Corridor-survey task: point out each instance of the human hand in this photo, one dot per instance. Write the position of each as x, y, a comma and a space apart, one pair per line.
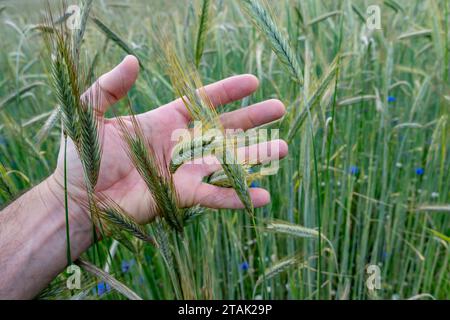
119, 180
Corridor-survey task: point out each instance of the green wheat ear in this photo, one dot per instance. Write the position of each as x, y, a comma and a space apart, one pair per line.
78, 116
89, 142
6, 185
252, 172
190, 214
121, 219
66, 85
280, 45
113, 221
79, 119
278, 268
202, 30
191, 149
106, 277
185, 80
153, 171
205, 144
295, 230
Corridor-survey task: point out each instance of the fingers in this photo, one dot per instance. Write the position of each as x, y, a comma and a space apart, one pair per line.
263, 152
112, 86
226, 198
254, 115
232, 89
258, 153
224, 91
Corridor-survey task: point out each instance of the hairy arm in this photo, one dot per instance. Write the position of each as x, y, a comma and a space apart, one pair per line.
33, 239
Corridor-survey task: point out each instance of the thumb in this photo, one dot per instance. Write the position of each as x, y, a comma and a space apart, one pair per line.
112, 86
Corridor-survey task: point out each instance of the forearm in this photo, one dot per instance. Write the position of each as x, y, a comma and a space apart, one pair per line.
33, 240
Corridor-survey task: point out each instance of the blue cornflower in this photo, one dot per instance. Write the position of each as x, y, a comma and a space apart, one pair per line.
103, 288
420, 171
244, 266
391, 99
126, 265
254, 184
354, 170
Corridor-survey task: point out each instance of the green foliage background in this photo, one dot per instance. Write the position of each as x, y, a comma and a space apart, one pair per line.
387, 120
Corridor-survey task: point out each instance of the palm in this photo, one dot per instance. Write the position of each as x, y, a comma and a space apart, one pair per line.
124, 183
119, 180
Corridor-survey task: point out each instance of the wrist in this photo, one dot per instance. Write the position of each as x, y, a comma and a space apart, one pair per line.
76, 198
52, 194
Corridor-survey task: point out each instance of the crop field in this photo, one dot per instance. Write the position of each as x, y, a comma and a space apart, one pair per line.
360, 206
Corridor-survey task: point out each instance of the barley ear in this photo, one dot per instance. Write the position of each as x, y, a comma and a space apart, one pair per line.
278, 268
153, 171
89, 143
190, 214
202, 30
79, 33
201, 109
280, 45
106, 277
115, 215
